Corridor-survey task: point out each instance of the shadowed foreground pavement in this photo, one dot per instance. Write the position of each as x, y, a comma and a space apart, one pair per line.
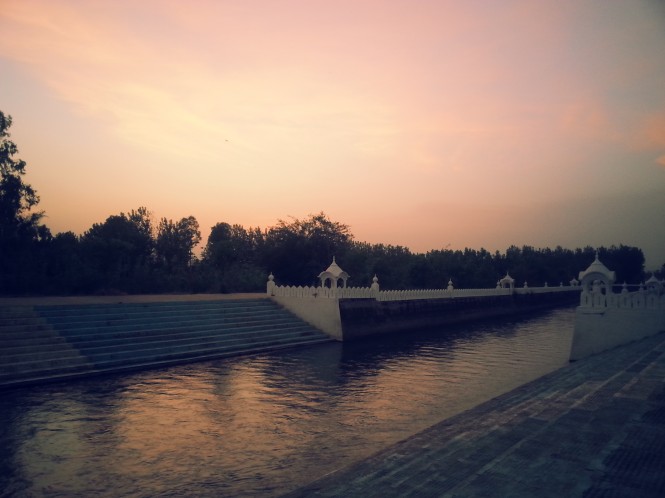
595, 428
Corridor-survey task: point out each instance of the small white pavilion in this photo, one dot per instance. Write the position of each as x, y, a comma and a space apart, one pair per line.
332, 275
597, 277
653, 285
507, 282
597, 281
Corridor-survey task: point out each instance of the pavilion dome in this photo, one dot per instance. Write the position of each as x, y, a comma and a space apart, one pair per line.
334, 271
653, 284
333, 274
652, 280
507, 279
598, 270
507, 282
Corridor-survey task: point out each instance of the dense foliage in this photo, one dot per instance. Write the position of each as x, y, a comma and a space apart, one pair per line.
127, 253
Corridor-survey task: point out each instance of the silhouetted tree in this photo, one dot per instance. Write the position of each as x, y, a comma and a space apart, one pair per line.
20, 230
228, 245
301, 249
660, 274
232, 254
175, 242
626, 261
118, 253
142, 220
126, 253
16, 197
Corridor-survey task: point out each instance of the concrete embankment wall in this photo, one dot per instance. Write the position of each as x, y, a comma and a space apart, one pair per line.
601, 329
367, 317
322, 313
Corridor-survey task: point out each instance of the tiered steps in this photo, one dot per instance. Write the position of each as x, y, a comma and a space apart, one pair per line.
30, 347
46, 343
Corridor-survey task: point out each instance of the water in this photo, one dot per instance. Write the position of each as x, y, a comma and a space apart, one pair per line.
261, 425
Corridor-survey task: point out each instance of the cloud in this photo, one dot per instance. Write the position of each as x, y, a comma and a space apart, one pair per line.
650, 133
159, 98
474, 104
588, 118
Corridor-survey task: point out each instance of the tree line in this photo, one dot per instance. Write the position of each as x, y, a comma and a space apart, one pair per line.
132, 253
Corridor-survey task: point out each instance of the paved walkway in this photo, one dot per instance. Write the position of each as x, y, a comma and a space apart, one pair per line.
595, 428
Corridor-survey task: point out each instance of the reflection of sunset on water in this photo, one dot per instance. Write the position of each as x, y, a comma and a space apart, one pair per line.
267, 423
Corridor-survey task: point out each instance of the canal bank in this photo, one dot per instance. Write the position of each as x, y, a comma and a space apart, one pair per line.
52, 339
61, 338
361, 318
351, 313
593, 428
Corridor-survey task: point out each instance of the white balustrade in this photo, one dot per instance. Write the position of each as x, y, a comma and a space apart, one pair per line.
403, 295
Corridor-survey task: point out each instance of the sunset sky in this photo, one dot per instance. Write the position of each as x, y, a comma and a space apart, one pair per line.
423, 123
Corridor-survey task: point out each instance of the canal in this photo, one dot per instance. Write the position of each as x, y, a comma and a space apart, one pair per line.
266, 424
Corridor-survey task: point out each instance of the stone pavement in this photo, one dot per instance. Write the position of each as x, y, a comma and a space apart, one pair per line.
595, 428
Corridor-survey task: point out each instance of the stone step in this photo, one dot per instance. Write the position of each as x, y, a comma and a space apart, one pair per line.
73, 372
131, 339
179, 334
95, 350
104, 357
135, 354
50, 340
246, 347
57, 342
10, 335
33, 364
155, 314
38, 350
141, 308
27, 373
18, 323
192, 323
23, 329
43, 331
12, 313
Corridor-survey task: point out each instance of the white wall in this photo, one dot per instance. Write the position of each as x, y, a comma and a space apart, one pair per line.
322, 313
600, 329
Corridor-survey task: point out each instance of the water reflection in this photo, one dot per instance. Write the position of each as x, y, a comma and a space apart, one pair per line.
261, 425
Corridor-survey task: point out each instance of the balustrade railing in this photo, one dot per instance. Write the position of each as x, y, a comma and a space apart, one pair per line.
640, 299
403, 295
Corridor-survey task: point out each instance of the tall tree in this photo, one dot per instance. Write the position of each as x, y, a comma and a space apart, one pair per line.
227, 245
19, 225
626, 261
117, 251
231, 257
175, 242
16, 197
142, 219
299, 250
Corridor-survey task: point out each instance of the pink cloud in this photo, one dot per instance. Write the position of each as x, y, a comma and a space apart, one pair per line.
651, 133
588, 118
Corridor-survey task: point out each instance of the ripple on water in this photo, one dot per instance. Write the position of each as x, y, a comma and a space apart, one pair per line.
265, 424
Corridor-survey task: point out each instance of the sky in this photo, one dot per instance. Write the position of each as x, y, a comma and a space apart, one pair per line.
422, 123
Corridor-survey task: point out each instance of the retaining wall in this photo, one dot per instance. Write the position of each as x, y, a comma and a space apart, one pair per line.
347, 319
